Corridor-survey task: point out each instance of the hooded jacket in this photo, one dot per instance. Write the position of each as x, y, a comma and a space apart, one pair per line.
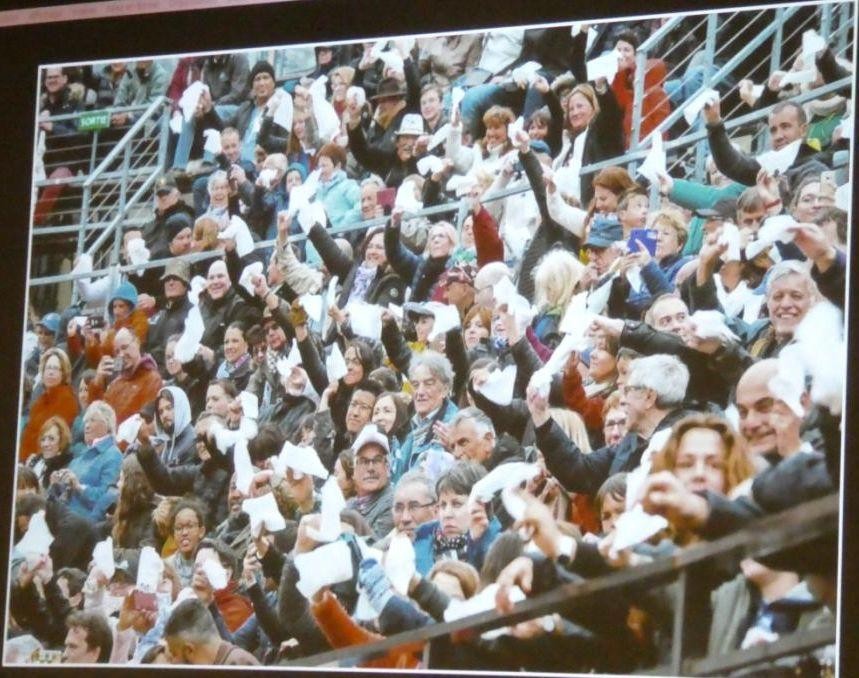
342, 199
179, 446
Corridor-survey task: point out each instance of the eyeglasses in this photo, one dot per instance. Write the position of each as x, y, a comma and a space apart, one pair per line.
412, 506
360, 406
366, 462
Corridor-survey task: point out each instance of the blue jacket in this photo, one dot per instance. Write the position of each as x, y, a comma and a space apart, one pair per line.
476, 551
98, 469
407, 455
342, 199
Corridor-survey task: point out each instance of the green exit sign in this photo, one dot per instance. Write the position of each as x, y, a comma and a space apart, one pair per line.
94, 120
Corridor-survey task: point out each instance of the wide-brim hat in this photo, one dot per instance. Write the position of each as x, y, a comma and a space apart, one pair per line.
389, 88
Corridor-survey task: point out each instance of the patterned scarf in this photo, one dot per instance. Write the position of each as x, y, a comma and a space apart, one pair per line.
226, 370
364, 277
448, 548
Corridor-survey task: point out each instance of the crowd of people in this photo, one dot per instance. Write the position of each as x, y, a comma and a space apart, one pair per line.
331, 431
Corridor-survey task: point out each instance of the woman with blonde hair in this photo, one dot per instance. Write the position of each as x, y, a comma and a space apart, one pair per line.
555, 280
54, 453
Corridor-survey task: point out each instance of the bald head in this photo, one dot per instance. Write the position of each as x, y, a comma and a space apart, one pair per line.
765, 420
126, 349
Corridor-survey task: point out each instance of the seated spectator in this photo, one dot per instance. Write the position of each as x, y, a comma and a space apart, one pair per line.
89, 640
192, 638
373, 489
54, 450
57, 399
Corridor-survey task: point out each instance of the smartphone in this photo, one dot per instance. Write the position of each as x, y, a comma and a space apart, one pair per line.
117, 366
96, 322
647, 236
386, 197
143, 601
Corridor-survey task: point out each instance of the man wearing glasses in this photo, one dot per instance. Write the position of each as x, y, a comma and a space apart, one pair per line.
374, 495
652, 399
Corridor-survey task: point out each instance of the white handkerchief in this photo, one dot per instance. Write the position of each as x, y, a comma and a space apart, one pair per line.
456, 95
503, 289
541, 381
757, 91
708, 96
303, 460
37, 539
189, 342
330, 300
244, 467
481, 602
598, 298
732, 414
356, 94
393, 61
430, 164
332, 504
514, 127
436, 462
406, 198
284, 112
299, 198
250, 404
213, 141
526, 71
190, 97
633, 274
731, 237
400, 563
396, 311
312, 303
84, 264
576, 321
323, 566
238, 230
224, 437
186, 593
247, 276
137, 251
636, 478
798, 77
311, 214
654, 162
446, 318
604, 66
511, 475
461, 184
711, 325
513, 504
499, 385
438, 138
327, 120
198, 284
844, 196
779, 161
284, 365
788, 383
846, 126
176, 122
263, 512
811, 44
335, 364
634, 527
823, 325
777, 228
378, 47
267, 177
149, 570
127, 431
365, 319
215, 573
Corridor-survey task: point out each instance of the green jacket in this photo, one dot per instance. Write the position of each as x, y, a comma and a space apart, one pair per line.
694, 196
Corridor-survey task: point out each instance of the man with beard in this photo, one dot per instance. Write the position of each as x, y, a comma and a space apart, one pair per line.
374, 495
173, 427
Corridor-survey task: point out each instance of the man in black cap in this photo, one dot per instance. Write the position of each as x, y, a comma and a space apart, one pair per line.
172, 309
179, 234
168, 201
252, 118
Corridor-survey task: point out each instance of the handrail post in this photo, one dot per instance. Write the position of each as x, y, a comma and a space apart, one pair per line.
825, 21
123, 201
709, 56
843, 27
775, 57
164, 138
94, 151
638, 97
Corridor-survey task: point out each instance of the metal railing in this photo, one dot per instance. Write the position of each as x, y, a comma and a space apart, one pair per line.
772, 534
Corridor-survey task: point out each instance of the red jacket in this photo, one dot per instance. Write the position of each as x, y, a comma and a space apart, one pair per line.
655, 106
576, 399
487, 241
60, 401
235, 609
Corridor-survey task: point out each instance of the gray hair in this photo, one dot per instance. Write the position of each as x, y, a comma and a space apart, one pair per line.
373, 180
99, 409
791, 267
478, 417
436, 363
664, 374
217, 175
418, 477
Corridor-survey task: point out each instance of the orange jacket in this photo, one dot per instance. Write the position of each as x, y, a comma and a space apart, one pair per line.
137, 322
343, 631
60, 401
235, 609
128, 394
